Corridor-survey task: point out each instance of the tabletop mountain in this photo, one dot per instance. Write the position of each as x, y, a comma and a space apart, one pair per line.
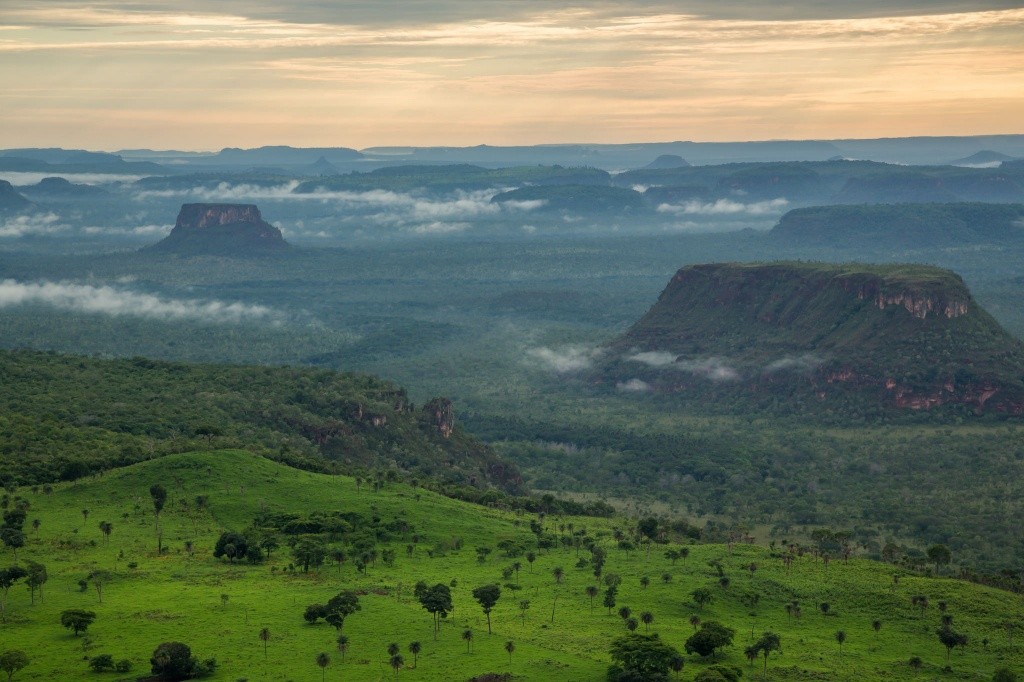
894, 336
221, 229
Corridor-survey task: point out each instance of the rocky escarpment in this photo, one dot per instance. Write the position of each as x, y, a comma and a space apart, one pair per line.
221, 229
895, 336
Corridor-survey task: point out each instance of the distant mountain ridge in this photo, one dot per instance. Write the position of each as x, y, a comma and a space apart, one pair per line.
892, 336
909, 226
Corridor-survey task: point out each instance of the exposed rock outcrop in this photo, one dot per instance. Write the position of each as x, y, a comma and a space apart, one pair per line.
222, 229
440, 415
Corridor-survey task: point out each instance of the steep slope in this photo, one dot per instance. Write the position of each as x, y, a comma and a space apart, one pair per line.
221, 229
63, 417
899, 336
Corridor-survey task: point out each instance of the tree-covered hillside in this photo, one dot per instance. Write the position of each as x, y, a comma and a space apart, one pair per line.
62, 417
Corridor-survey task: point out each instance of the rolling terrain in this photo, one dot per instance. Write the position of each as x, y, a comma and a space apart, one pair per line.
218, 607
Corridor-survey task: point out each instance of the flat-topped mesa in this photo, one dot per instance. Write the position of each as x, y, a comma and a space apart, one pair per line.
898, 335
198, 216
221, 229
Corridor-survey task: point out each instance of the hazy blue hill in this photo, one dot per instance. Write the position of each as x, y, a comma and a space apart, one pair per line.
577, 198
10, 199
60, 189
902, 225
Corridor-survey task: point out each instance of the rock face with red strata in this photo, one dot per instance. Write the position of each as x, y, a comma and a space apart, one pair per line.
222, 229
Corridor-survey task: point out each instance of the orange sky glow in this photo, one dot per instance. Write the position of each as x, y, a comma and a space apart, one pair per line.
107, 76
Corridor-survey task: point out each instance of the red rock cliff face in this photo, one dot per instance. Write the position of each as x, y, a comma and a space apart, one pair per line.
198, 216
221, 229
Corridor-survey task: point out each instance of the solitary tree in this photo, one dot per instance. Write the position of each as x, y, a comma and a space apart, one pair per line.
415, 648
467, 637
342, 646
12, 661
591, 592
510, 648
340, 607
265, 637
106, 528
524, 606
8, 576
487, 596
77, 620
609, 598
840, 638
709, 638
702, 596
876, 625
768, 643
647, 618
323, 660
951, 638
695, 621
159, 495
396, 662
437, 600
558, 572
35, 579
641, 657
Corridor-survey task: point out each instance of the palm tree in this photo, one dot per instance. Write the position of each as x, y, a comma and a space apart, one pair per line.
695, 621
323, 660
393, 649
644, 582
591, 593
676, 663
558, 573
265, 637
396, 663
510, 647
625, 612
415, 648
342, 646
632, 624
647, 617
876, 625
467, 636
840, 637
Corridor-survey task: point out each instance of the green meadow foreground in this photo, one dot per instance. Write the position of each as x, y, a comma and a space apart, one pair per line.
219, 608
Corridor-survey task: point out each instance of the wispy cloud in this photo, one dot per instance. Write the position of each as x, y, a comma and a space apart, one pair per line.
565, 358
32, 224
726, 207
633, 386
108, 300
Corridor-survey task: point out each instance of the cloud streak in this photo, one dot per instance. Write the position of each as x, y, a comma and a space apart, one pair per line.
565, 359
726, 207
116, 302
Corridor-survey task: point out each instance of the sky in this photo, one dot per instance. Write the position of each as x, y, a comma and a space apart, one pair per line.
200, 75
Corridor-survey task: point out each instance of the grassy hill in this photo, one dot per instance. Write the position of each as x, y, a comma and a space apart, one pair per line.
902, 336
218, 608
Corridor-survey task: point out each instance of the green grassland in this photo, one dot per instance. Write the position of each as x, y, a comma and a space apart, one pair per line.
153, 597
